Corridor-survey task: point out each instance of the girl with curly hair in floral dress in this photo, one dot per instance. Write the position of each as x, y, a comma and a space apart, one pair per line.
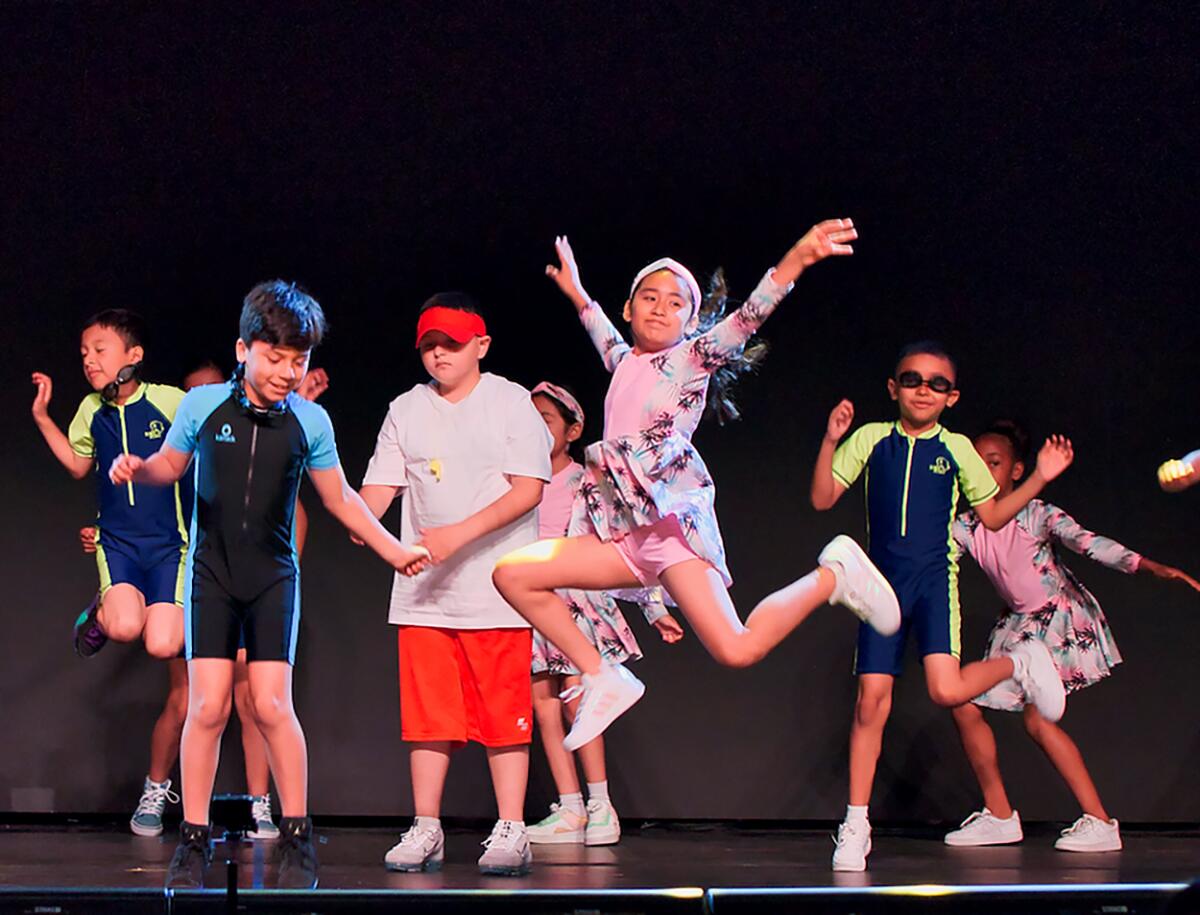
1046, 602
648, 499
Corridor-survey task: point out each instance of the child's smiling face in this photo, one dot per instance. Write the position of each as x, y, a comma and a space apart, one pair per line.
661, 311
921, 406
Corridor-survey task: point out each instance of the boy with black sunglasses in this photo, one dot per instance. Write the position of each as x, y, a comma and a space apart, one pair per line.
915, 471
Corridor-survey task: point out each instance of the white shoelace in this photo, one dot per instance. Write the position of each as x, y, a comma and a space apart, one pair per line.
1084, 825
154, 799
505, 836
845, 831
417, 836
977, 815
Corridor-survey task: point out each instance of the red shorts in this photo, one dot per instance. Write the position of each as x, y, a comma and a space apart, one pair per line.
648, 551
466, 684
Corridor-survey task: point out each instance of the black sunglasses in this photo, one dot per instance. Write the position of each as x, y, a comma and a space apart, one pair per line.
937, 383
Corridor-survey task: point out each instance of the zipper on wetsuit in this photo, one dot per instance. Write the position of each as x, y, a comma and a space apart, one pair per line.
125, 444
907, 479
249, 475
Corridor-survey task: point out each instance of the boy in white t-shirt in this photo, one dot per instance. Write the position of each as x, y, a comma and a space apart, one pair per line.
471, 454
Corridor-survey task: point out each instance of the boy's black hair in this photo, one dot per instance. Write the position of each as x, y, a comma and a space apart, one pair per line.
459, 301
928, 348
128, 325
279, 313
1013, 432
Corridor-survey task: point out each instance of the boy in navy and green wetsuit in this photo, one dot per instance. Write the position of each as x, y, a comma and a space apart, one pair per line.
141, 536
915, 472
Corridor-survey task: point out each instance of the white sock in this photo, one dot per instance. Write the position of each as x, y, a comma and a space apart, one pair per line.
573, 803
856, 814
598, 791
164, 783
428, 823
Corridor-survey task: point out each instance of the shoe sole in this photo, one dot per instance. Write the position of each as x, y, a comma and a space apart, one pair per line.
425, 867
147, 831
969, 844
565, 839
263, 836
1094, 848
572, 743
520, 871
868, 568
605, 838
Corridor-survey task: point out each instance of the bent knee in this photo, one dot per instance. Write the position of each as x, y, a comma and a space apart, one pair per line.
163, 647
508, 577
122, 628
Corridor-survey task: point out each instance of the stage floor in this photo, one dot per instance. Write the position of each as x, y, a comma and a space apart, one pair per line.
691, 861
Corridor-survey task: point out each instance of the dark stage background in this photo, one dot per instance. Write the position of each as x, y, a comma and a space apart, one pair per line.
1024, 179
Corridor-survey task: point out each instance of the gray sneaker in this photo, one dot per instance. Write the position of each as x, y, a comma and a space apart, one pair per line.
508, 853
422, 848
147, 819
260, 811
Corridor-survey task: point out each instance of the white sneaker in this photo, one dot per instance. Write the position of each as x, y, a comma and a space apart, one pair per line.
562, 827
603, 827
853, 845
1090, 833
860, 587
147, 819
1040, 680
606, 696
422, 848
260, 811
985, 828
507, 851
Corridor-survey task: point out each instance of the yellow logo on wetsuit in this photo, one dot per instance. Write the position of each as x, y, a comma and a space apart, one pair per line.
156, 429
941, 466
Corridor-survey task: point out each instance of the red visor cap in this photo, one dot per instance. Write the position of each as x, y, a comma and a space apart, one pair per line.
460, 326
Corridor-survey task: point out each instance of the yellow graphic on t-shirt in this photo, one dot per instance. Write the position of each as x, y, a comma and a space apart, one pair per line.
941, 466
435, 468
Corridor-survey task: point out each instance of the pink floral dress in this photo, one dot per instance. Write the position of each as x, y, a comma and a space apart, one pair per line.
1045, 600
646, 468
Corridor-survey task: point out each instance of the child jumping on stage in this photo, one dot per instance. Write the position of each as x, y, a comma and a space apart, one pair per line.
1048, 604
600, 619
915, 471
141, 540
251, 440
649, 498
470, 455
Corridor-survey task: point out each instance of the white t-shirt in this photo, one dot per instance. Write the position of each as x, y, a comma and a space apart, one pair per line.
451, 460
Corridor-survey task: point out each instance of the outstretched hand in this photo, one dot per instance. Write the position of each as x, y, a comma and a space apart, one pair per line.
566, 274
1055, 456
670, 630
41, 399
830, 238
840, 420
1158, 570
314, 384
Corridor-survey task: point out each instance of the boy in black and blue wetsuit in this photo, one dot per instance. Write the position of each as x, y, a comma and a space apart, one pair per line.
915, 473
141, 538
251, 440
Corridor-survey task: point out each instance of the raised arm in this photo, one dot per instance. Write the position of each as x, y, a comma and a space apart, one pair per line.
826, 488
77, 465
605, 337
1055, 456
1178, 474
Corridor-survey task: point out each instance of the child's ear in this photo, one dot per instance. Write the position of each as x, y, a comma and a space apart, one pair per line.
892, 388
1018, 470
627, 312
136, 354
952, 399
574, 431
485, 344
241, 350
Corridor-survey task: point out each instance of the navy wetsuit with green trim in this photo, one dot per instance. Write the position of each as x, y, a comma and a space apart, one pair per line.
141, 535
912, 490
243, 575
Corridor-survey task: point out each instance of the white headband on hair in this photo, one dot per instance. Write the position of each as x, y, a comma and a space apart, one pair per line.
669, 263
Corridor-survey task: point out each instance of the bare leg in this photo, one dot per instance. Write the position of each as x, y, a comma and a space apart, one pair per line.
950, 685
429, 762
866, 734
1065, 755
168, 730
287, 751
163, 632
210, 695
510, 776
254, 745
122, 613
591, 754
528, 578
548, 709
980, 745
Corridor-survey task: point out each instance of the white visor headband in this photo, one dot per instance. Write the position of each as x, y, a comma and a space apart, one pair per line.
669, 263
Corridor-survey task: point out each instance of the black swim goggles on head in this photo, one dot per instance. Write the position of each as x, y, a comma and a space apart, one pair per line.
938, 383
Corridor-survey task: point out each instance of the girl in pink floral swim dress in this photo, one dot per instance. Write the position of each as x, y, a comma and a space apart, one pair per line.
600, 619
648, 499
1045, 601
